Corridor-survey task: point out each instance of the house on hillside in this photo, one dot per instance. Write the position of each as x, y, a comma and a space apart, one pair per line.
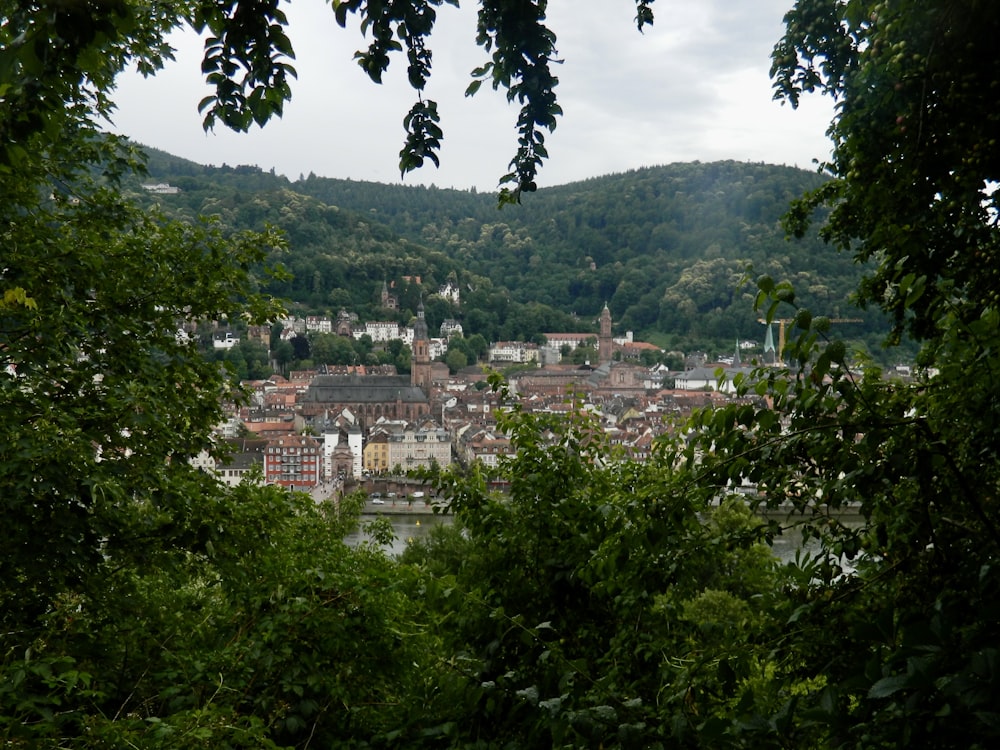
518, 352
450, 327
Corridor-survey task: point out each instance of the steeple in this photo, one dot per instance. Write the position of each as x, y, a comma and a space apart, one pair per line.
769, 346
420, 325
605, 344
420, 364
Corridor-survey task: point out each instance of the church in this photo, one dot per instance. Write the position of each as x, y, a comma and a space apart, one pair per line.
371, 397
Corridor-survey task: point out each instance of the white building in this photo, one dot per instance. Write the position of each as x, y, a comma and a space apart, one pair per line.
319, 324
437, 348
331, 440
514, 351
226, 341
708, 379
554, 342
450, 292
161, 188
379, 331
451, 327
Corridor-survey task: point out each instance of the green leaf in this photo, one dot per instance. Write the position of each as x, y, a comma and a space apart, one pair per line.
889, 686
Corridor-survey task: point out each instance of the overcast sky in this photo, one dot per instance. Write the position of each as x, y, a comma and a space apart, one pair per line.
694, 87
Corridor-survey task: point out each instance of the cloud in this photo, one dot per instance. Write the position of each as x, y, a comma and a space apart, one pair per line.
693, 87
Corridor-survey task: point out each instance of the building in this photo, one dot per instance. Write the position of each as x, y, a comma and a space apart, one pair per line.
634, 349
318, 324
376, 452
519, 352
418, 447
387, 300
450, 327
708, 378
380, 331
260, 335
344, 324
244, 459
342, 453
226, 340
451, 292
485, 446
554, 343
293, 461
605, 344
420, 363
161, 188
368, 397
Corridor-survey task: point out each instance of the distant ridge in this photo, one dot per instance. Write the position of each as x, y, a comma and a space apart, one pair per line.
665, 247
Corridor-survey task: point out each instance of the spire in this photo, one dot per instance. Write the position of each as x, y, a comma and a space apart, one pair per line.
605, 345
420, 325
769, 344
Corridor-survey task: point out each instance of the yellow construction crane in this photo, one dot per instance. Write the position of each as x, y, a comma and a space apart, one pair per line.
779, 359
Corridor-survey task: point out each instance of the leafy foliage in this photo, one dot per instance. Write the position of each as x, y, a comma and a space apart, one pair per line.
593, 605
915, 153
600, 602
245, 61
100, 390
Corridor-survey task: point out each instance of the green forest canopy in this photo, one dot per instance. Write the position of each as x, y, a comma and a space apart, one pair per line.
669, 249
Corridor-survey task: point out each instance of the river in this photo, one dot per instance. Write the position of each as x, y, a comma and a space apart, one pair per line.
410, 527
407, 529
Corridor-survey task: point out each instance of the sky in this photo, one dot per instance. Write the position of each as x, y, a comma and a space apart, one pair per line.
693, 87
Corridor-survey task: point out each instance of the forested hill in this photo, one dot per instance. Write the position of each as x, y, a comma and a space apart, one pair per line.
665, 247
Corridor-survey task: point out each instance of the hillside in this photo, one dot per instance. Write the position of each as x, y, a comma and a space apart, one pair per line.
665, 247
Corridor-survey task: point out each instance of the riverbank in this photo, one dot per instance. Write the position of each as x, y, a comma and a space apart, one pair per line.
398, 509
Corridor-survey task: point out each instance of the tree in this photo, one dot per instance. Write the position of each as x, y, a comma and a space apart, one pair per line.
300, 346
911, 77
914, 168
478, 346
99, 388
143, 605
330, 349
258, 366
103, 399
456, 360
597, 603
283, 353
237, 361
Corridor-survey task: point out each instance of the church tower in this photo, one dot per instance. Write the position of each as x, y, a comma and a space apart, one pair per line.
605, 345
420, 364
386, 299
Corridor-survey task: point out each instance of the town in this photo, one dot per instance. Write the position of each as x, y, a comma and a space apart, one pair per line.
334, 428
